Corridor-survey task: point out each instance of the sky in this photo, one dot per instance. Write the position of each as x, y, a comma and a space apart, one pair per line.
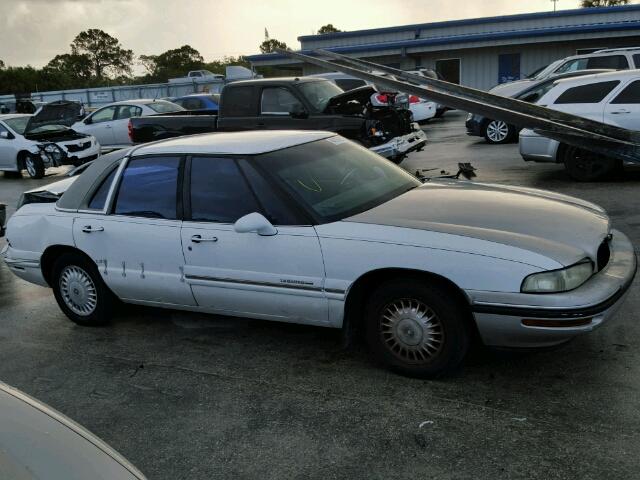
34, 31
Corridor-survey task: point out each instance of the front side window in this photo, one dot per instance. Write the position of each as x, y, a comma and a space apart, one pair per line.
335, 178
592, 93
149, 188
219, 192
104, 115
630, 95
573, 66
278, 101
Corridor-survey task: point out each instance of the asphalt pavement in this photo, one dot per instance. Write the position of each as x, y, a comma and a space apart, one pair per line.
187, 396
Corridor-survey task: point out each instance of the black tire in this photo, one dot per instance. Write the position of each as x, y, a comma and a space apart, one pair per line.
104, 300
585, 166
450, 325
497, 132
34, 166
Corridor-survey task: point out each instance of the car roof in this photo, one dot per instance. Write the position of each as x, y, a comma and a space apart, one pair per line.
233, 143
600, 53
586, 79
138, 101
257, 81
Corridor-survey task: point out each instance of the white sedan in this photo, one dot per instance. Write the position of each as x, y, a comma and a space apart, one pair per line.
110, 124
308, 227
34, 146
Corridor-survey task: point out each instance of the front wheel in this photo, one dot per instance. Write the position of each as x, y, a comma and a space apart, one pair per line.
34, 166
80, 291
585, 166
417, 329
497, 132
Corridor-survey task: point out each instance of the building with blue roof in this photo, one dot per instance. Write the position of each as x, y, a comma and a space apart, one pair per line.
479, 52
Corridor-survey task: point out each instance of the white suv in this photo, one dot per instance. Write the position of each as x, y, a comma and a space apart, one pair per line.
612, 98
613, 59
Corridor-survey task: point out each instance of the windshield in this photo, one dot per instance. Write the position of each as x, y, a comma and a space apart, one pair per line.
18, 124
164, 107
336, 178
319, 93
536, 72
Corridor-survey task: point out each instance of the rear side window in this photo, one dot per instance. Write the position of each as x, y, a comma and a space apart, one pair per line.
100, 197
219, 192
631, 94
592, 93
192, 103
636, 60
164, 107
347, 84
128, 111
149, 188
238, 102
615, 62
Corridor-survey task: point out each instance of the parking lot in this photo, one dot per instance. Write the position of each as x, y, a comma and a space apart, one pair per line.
188, 396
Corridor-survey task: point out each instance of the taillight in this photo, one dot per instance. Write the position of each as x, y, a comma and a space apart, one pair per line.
382, 98
414, 99
130, 129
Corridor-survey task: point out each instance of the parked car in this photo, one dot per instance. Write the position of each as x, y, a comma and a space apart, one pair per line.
608, 59
384, 125
499, 132
37, 441
612, 98
309, 227
37, 142
421, 110
199, 102
198, 75
110, 123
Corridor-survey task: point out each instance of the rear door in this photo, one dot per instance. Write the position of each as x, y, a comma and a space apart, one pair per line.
121, 123
624, 109
278, 277
136, 244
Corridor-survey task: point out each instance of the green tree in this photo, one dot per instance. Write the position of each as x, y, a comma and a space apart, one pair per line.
77, 68
328, 28
602, 3
107, 56
1, 64
172, 63
219, 66
270, 44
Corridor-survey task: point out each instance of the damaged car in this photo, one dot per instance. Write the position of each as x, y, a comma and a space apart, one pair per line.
37, 142
381, 122
308, 227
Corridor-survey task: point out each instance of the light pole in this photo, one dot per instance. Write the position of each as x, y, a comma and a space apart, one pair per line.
555, 3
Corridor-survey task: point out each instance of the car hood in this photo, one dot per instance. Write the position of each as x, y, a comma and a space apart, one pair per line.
511, 89
562, 228
56, 113
360, 94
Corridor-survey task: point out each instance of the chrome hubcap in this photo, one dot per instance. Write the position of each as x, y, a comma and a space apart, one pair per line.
78, 290
31, 168
497, 131
411, 330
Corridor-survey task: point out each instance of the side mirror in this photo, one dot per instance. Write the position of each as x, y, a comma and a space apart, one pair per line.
87, 121
298, 111
6, 135
255, 222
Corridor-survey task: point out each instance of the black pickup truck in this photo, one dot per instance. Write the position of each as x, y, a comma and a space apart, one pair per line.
380, 121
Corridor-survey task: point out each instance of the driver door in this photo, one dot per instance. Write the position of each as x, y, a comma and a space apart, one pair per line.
277, 277
8, 151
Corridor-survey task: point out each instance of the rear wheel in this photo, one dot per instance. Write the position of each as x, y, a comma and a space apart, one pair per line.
498, 132
34, 166
80, 291
585, 166
416, 329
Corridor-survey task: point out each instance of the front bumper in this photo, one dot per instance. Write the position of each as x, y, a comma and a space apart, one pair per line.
519, 320
474, 125
536, 148
402, 146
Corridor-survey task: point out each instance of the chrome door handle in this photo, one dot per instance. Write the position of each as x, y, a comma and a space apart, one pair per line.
620, 112
108, 126
90, 229
200, 239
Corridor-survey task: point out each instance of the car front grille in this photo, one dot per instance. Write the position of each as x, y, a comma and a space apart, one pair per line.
604, 253
78, 148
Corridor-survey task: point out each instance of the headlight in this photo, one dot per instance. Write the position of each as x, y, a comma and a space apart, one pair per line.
53, 152
558, 280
